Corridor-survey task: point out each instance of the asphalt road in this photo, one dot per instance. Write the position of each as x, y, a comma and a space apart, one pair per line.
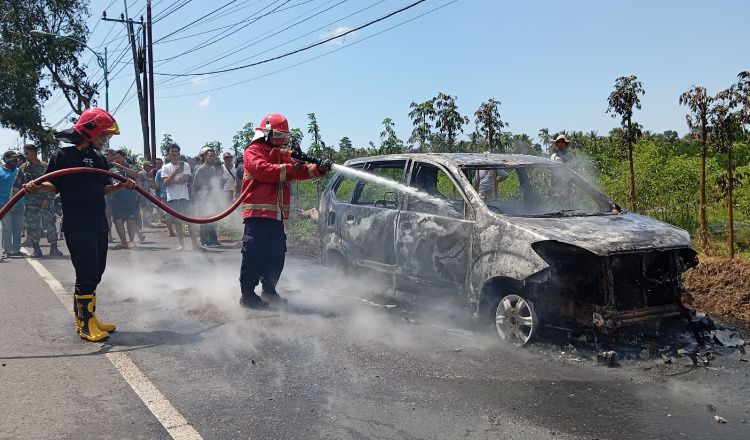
187, 362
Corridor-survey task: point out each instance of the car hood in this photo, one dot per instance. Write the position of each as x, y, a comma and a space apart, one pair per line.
607, 234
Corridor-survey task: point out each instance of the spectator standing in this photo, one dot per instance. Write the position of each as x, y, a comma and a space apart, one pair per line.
125, 203
207, 183
13, 221
109, 155
228, 177
146, 181
163, 197
176, 174
562, 154
158, 163
38, 212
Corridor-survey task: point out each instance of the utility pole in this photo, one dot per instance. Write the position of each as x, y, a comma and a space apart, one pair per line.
142, 68
139, 90
151, 79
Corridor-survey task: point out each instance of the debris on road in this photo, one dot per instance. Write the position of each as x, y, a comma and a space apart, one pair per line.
720, 419
726, 337
608, 358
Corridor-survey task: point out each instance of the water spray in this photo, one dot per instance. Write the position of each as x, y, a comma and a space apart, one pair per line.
4, 210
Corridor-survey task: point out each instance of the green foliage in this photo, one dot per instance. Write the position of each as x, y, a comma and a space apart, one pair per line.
421, 115
390, 143
32, 67
448, 120
214, 145
489, 123
165, 142
242, 139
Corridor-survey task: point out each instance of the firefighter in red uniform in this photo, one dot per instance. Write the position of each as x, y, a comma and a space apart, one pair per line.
268, 173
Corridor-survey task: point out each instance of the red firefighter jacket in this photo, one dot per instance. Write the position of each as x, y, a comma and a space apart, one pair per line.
268, 172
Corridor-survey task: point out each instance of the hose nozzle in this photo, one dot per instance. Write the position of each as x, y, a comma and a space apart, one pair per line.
299, 155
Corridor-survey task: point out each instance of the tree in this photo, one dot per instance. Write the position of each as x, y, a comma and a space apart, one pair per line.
621, 102
699, 103
214, 145
725, 125
488, 121
448, 120
165, 142
31, 68
420, 116
316, 147
242, 139
295, 143
389, 142
545, 138
346, 150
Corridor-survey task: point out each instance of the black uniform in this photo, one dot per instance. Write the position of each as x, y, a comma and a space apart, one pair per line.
84, 219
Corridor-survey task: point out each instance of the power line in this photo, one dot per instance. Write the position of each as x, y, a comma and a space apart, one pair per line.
222, 56
313, 58
217, 39
195, 21
258, 39
301, 49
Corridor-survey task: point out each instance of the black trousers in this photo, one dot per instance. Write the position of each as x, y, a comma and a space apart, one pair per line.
263, 253
88, 253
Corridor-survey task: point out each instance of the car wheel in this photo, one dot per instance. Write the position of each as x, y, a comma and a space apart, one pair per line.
515, 319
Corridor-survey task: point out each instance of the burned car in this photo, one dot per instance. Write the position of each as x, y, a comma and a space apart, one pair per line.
538, 246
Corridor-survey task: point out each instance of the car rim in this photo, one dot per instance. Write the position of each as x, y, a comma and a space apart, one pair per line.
515, 319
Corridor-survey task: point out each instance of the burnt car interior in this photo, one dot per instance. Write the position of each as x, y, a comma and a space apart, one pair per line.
541, 191
436, 183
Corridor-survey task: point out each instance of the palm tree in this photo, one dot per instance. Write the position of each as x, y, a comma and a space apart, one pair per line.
449, 121
488, 121
699, 102
420, 115
621, 102
725, 124
545, 138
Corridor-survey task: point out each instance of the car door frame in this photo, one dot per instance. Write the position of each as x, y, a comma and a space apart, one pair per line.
368, 231
416, 272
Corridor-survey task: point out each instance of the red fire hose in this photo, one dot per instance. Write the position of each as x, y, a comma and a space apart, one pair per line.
4, 210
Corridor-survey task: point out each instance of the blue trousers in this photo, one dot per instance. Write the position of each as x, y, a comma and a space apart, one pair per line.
12, 229
263, 253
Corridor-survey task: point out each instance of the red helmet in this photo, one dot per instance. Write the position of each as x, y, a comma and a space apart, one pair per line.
276, 128
94, 121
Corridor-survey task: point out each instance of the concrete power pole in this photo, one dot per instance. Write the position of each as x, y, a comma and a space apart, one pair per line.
139, 90
151, 80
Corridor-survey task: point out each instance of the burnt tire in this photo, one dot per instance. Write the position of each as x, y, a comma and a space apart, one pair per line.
515, 320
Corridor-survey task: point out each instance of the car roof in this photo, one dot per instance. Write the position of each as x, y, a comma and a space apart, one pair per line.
459, 159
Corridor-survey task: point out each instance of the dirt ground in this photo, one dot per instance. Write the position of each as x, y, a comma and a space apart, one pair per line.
721, 288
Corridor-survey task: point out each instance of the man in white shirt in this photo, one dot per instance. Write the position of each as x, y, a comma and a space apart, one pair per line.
176, 175
228, 176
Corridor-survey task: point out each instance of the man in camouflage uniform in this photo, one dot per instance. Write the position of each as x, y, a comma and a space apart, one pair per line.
38, 213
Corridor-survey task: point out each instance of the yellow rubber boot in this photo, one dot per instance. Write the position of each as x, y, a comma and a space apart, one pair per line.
85, 311
107, 327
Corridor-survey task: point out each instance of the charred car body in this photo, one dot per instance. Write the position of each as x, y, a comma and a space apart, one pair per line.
540, 246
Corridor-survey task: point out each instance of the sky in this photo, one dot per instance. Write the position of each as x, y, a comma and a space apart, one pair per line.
552, 64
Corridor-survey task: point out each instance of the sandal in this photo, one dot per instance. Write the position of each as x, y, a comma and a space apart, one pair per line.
120, 247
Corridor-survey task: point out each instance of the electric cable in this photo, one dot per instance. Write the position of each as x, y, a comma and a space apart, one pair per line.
194, 21
166, 84
308, 47
313, 58
263, 37
217, 38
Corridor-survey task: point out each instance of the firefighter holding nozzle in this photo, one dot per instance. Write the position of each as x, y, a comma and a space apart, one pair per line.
84, 219
268, 173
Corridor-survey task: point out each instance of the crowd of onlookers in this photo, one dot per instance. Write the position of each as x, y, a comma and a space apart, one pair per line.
202, 186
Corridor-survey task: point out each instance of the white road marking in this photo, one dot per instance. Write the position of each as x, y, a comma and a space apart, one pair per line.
160, 407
